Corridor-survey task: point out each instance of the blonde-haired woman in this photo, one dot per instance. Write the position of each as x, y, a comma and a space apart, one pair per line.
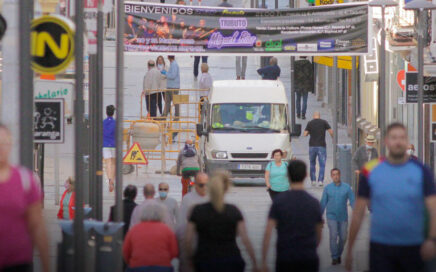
217, 224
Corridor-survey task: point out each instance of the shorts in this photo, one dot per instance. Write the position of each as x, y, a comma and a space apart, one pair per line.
108, 152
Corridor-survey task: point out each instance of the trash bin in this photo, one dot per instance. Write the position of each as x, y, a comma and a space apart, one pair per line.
344, 163
65, 259
109, 244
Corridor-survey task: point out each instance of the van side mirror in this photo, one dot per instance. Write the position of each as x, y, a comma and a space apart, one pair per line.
200, 130
296, 131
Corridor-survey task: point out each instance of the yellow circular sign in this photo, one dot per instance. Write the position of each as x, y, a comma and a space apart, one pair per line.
52, 44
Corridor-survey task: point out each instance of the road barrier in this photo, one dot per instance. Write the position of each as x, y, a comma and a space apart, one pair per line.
158, 135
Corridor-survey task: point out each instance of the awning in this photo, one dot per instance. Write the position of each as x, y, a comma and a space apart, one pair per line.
344, 62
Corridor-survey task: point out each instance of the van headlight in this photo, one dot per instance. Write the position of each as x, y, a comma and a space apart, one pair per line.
219, 154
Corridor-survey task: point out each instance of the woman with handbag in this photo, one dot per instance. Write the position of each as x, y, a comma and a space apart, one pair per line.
276, 175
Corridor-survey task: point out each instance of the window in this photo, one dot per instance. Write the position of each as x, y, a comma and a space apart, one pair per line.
249, 117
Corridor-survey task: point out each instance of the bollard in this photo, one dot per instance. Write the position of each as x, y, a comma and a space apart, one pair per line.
109, 245
65, 259
344, 163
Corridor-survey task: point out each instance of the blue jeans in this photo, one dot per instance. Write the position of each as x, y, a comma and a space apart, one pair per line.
338, 237
300, 95
321, 153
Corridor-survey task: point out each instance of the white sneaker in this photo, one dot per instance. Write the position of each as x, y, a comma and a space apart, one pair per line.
320, 184
313, 183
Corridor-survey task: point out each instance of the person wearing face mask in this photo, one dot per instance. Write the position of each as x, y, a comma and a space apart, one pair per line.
169, 202
66, 210
365, 153
188, 165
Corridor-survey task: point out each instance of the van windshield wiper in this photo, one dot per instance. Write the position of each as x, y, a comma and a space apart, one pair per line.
227, 128
262, 128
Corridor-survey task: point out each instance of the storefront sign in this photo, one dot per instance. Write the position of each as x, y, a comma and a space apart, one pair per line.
52, 44
50, 89
49, 121
412, 88
324, 30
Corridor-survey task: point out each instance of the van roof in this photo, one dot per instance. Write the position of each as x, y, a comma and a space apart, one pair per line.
248, 91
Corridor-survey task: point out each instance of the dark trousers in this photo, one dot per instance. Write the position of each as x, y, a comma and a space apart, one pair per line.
229, 264
387, 258
298, 97
273, 194
197, 62
18, 268
297, 266
153, 101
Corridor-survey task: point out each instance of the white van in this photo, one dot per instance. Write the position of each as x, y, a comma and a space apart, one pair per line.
242, 122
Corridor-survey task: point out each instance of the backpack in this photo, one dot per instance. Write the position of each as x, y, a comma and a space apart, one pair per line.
189, 151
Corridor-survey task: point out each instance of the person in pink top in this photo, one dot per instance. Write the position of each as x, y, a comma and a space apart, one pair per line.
151, 243
21, 221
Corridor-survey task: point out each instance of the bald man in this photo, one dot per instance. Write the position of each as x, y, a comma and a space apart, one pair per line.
317, 128
169, 202
188, 165
149, 192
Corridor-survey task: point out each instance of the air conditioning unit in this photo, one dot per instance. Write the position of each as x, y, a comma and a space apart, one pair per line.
370, 63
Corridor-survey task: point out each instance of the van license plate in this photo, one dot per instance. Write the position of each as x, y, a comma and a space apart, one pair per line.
250, 167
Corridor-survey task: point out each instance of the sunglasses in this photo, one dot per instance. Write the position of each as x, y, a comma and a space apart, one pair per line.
201, 185
163, 189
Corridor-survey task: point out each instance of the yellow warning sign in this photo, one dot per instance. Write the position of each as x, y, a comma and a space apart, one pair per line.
135, 155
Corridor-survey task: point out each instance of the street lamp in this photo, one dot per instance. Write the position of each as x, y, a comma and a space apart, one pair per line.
420, 6
382, 71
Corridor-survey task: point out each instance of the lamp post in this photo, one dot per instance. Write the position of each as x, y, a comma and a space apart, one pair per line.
420, 6
382, 71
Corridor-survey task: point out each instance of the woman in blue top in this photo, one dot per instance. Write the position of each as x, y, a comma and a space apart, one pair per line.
276, 175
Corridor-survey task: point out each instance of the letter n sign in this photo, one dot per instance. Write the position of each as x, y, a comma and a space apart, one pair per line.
52, 44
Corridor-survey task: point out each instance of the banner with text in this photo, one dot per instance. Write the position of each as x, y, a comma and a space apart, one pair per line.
325, 30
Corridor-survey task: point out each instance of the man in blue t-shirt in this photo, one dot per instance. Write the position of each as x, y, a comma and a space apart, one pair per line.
297, 217
399, 189
109, 145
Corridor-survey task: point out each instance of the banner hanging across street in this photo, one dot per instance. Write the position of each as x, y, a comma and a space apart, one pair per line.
324, 30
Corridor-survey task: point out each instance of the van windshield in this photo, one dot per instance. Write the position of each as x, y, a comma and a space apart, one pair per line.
244, 117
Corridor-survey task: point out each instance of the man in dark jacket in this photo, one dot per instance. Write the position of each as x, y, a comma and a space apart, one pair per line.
128, 206
365, 153
271, 72
303, 84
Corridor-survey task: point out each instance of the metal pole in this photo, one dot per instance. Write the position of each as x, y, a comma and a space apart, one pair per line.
353, 105
93, 132
420, 33
353, 116
119, 122
120, 110
335, 112
26, 85
99, 115
79, 241
292, 79
382, 86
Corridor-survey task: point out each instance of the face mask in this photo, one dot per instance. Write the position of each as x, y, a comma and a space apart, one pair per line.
409, 152
160, 66
67, 185
368, 147
163, 194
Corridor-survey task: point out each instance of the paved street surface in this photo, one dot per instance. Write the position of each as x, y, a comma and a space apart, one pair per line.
249, 195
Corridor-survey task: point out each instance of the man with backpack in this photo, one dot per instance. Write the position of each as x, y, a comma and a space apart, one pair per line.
188, 164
